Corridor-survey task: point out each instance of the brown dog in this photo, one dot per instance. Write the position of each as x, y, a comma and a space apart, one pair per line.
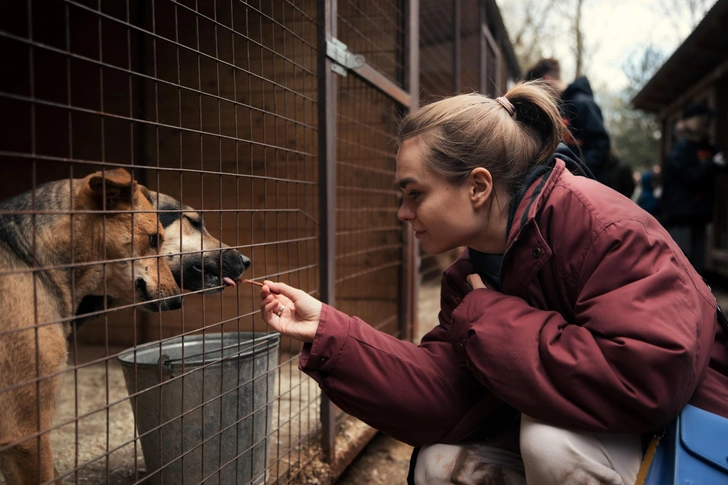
199, 262
45, 271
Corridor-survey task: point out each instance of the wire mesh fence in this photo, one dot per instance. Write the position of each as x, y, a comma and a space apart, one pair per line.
154, 154
162, 147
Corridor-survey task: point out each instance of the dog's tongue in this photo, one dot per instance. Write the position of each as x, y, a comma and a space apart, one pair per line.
229, 281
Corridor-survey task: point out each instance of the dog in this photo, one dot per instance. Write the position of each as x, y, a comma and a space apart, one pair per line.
198, 261
50, 260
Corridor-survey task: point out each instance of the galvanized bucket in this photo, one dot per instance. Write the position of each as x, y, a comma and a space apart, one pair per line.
203, 406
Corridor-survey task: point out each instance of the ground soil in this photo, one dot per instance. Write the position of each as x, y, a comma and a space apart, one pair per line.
385, 460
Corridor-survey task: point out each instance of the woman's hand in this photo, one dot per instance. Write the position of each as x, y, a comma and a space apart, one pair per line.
290, 311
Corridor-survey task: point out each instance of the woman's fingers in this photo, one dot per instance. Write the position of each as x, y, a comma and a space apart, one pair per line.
475, 281
290, 311
281, 289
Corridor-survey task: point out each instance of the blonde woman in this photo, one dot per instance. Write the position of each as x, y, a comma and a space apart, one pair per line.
572, 325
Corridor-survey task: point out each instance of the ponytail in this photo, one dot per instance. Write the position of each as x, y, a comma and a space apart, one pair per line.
537, 111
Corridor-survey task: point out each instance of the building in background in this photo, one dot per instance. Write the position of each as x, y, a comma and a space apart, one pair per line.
697, 71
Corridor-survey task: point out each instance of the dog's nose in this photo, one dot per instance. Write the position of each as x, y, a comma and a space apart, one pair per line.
245, 261
173, 303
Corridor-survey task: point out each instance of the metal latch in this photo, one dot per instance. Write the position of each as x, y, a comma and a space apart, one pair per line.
338, 52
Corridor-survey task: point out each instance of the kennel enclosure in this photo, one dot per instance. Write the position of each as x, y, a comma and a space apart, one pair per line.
274, 122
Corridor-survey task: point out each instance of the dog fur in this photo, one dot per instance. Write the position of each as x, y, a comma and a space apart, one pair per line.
198, 261
46, 269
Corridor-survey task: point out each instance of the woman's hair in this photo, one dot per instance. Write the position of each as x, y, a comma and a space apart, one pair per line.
464, 132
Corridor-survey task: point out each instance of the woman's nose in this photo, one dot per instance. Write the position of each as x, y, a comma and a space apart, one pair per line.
405, 214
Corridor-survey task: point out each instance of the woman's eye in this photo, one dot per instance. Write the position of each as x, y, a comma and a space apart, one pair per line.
414, 194
154, 241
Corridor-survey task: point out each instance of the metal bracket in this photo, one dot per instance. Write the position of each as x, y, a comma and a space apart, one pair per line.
343, 59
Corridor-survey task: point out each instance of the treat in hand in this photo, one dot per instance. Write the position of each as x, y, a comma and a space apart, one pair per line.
256, 283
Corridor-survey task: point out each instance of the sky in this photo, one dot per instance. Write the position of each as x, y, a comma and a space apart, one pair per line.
614, 30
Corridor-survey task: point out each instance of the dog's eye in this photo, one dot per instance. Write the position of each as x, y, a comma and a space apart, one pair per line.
154, 240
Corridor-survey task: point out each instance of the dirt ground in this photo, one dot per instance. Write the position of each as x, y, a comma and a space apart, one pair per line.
385, 460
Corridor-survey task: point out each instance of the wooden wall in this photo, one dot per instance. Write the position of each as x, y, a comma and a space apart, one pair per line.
242, 145
218, 109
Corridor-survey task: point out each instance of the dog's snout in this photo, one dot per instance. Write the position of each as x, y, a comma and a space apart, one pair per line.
245, 262
234, 263
210, 267
141, 285
173, 303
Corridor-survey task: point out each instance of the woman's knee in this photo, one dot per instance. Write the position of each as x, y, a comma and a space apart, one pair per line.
556, 455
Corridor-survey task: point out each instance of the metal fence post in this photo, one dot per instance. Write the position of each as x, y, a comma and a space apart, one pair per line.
326, 13
411, 267
457, 45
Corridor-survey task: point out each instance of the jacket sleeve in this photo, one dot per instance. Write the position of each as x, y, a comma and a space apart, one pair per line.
587, 127
629, 360
416, 394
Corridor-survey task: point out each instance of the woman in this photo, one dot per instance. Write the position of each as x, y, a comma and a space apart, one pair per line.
572, 325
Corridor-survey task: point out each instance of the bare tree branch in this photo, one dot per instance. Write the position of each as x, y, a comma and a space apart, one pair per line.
578, 39
677, 11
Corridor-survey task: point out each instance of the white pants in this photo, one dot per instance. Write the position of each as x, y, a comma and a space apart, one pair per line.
541, 455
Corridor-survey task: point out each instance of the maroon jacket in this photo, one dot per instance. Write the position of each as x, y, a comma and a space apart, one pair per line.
601, 324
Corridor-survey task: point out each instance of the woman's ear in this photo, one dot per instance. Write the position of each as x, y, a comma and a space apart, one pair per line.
481, 186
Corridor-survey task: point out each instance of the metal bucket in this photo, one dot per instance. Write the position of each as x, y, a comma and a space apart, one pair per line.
203, 406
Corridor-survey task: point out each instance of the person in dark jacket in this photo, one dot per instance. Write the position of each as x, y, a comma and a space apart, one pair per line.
620, 176
651, 192
571, 326
587, 135
689, 182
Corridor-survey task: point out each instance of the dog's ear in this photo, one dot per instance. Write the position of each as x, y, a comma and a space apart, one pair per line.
115, 186
146, 193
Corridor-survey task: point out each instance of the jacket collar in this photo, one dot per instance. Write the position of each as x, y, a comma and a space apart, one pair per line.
535, 195
538, 185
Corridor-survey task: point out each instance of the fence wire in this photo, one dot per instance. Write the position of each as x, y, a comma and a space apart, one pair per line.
154, 154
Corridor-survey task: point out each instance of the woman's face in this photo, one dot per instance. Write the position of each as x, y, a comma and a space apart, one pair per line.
444, 216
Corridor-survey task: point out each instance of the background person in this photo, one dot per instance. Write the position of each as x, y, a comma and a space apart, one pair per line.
572, 324
689, 182
650, 193
587, 135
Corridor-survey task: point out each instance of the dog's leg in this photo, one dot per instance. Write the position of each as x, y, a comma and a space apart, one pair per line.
30, 463
30, 409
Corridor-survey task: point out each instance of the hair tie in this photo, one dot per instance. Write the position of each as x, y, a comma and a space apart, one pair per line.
503, 101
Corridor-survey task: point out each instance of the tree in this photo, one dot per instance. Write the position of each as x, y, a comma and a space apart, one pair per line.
536, 27
635, 134
680, 10
640, 66
578, 45
532, 27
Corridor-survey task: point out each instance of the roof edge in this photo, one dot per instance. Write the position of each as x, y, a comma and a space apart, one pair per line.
493, 10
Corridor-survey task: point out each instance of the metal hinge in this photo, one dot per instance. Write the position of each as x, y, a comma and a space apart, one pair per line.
343, 59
